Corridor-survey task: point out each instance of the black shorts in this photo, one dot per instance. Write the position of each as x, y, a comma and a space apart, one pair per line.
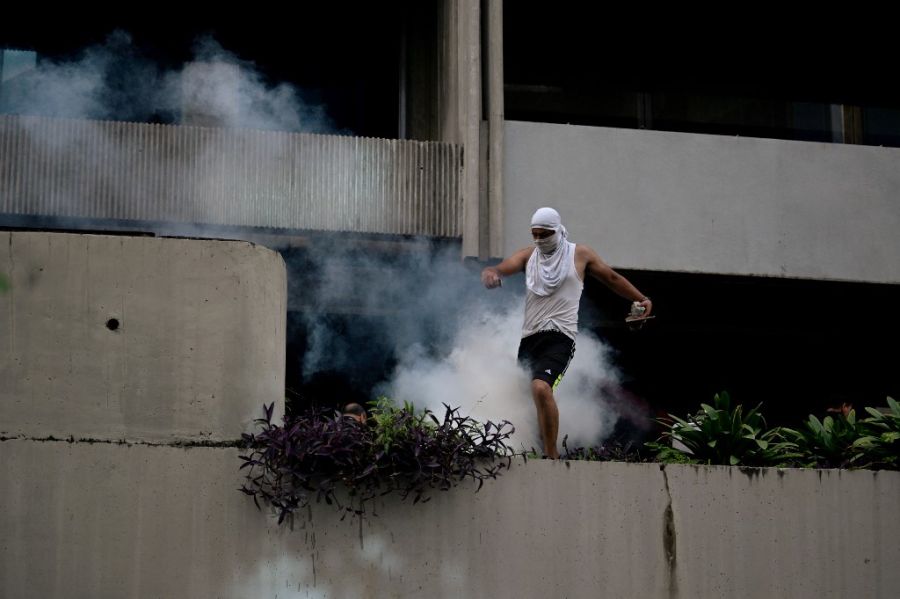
547, 355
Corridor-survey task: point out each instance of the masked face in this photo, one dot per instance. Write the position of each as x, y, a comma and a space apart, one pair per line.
545, 240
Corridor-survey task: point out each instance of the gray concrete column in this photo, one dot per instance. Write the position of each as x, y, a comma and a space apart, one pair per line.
469, 48
495, 124
453, 88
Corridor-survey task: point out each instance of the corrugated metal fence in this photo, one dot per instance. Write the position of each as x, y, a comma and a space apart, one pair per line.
146, 172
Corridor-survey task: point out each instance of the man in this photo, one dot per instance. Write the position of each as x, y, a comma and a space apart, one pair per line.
554, 275
356, 412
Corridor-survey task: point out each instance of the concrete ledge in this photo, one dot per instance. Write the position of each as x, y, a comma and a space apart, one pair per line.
136, 337
103, 520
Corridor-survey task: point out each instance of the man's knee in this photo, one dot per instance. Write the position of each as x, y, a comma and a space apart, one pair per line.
541, 390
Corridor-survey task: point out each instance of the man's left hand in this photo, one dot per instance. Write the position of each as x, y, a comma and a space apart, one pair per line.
648, 307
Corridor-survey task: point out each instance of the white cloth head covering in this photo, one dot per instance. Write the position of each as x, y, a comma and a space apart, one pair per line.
549, 264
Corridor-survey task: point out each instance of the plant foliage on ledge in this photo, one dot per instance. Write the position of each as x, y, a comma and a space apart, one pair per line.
324, 456
843, 441
722, 434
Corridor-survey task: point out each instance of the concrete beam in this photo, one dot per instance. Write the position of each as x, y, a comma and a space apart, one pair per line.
685, 202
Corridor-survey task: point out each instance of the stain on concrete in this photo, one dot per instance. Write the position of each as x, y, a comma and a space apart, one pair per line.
751, 472
670, 544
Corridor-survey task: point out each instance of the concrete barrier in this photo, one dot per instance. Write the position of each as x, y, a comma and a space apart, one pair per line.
108, 520
111, 337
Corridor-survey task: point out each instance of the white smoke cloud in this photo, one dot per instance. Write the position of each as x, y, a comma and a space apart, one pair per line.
454, 342
116, 81
61, 90
481, 376
234, 93
414, 296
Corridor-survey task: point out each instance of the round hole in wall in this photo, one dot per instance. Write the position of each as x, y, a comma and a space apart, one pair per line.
112, 324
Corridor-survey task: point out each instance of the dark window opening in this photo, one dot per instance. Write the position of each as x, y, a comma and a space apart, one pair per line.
583, 64
798, 346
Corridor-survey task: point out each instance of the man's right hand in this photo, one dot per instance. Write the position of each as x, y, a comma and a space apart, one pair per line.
490, 277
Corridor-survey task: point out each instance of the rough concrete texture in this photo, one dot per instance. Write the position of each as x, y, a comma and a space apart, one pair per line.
114, 337
708, 203
102, 520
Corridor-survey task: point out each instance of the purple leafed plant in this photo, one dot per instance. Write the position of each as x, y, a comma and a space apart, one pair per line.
317, 454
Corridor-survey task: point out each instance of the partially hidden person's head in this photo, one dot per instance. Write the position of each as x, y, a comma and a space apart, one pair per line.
355, 411
547, 230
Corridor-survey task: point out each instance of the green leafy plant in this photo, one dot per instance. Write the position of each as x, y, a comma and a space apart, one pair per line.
724, 435
826, 443
879, 447
667, 454
4, 283
394, 424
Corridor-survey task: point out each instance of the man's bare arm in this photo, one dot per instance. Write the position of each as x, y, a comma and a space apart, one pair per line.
600, 270
491, 275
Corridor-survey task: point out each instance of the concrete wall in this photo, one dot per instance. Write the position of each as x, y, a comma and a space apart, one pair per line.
104, 520
199, 346
712, 204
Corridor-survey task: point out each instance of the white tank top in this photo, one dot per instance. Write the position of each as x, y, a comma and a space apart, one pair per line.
557, 311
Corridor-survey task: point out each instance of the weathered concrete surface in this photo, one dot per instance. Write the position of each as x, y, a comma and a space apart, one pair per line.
145, 338
686, 202
791, 533
104, 520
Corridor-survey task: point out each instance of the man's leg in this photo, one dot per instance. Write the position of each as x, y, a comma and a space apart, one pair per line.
548, 416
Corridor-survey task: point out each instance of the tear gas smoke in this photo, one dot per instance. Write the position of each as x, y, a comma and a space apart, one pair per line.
117, 81
454, 342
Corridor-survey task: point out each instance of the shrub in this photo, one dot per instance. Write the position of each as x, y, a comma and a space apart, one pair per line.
316, 454
879, 447
826, 443
723, 435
